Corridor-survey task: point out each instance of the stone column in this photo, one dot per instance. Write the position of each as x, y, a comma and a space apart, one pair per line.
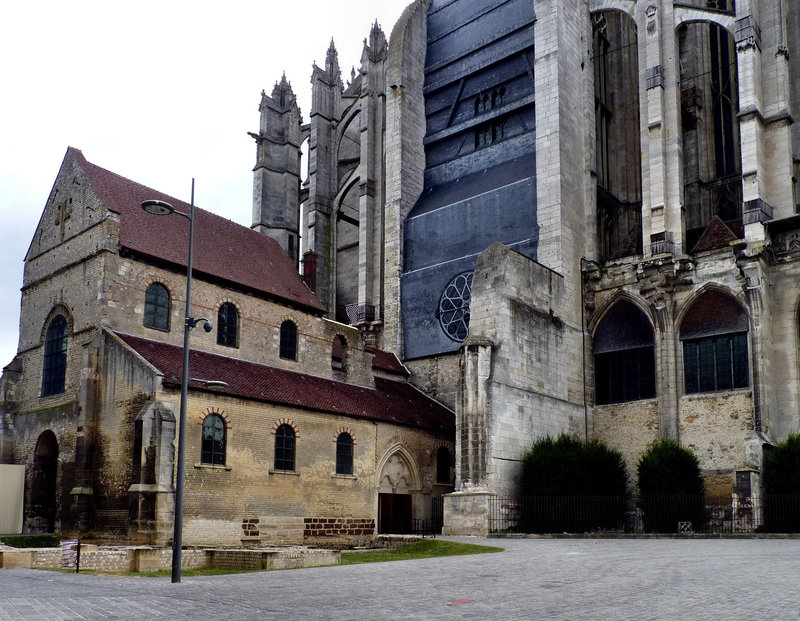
322, 174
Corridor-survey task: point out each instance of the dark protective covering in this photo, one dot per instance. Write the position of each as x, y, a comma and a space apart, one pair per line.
712, 314
480, 184
625, 326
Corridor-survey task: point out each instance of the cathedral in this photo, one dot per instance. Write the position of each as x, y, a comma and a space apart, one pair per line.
518, 218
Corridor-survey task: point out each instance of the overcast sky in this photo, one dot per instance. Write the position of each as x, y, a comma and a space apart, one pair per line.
157, 91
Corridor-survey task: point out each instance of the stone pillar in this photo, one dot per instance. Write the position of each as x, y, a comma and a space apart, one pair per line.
404, 154
320, 226
276, 176
473, 414
466, 512
662, 220
82, 492
371, 185
751, 130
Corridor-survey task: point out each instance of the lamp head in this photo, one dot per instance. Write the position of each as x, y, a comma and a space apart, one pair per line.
158, 208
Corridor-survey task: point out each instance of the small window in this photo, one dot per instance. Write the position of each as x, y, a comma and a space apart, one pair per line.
497, 97
288, 344
344, 454
227, 325
483, 136
339, 353
156, 307
54, 367
213, 444
443, 465
284, 448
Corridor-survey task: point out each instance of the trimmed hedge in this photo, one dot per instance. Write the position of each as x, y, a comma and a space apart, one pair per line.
782, 486
671, 487
557, 473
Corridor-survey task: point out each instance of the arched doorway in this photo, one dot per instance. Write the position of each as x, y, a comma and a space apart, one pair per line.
43, 484
396, 484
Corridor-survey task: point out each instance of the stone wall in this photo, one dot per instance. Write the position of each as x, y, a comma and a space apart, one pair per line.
626, 427
522, 384
222, 503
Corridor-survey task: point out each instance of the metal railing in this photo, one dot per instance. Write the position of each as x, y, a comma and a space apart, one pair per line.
656, 514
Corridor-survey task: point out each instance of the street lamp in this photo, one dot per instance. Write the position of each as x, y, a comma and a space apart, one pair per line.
160, 208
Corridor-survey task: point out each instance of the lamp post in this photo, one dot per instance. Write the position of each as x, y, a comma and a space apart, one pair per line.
160, 208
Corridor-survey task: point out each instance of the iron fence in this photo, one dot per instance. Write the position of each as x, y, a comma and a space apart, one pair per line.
656, 514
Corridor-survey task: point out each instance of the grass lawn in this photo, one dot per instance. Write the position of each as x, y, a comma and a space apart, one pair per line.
427, 548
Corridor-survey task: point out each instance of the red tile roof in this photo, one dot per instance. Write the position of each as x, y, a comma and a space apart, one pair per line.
387, 361
393, 402
222, 248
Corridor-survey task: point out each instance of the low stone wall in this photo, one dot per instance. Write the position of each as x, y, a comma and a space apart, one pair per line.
146, 559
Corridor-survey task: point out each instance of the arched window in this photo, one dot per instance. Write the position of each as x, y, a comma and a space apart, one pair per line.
344, 454
284, 448
339, 353
288, 344
214, 440
227, 325
54, 365
156, 307
624, 356
714, 336
443, 465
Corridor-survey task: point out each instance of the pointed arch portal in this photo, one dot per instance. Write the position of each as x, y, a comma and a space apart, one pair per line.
396, 484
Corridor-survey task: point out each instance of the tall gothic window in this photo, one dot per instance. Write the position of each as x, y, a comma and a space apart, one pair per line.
344, 454
156, 307
227, 325
54, 366
214, 440
624, 356
284, 448
714, 335
288, 342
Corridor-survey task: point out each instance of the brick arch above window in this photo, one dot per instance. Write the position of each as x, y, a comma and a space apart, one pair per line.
285, 421
346, 430
221, 413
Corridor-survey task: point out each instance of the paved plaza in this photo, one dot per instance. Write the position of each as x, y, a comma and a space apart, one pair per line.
533, 579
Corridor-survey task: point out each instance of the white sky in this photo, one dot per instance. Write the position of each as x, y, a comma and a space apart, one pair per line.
157, 91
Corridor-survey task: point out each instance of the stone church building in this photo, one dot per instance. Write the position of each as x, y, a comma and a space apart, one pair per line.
539, 215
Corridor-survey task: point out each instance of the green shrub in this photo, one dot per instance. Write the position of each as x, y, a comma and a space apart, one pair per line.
670, 486
782, 486
562, 480
782, 467
31, 541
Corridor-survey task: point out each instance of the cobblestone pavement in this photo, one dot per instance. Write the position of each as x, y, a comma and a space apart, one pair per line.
572, 579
